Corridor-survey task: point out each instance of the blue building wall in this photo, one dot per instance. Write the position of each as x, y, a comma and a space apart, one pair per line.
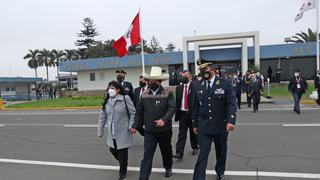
228, 54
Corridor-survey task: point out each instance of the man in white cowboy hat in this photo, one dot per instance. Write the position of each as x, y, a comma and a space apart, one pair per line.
155, 110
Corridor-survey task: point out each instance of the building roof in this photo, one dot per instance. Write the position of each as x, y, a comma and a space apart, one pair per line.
224, 54
19, 80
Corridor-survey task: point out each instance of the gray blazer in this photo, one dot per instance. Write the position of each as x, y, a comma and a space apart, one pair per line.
116, 114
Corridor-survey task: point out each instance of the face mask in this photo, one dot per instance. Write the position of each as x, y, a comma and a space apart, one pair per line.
142, 84
207, 75
120, 78
112, 92
296, 74
319, 73
153, 86
184, 80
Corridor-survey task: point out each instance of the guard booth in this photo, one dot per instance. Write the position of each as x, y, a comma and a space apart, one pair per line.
17, 88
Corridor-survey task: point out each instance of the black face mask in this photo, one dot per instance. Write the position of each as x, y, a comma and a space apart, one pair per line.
120, 78
153, 86
184, 80
142, 84
207, 75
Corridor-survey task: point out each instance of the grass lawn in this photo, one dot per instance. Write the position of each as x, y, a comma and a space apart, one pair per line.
281, 91
60, 102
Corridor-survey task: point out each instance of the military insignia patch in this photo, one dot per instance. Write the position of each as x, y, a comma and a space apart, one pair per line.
218, 82
219, 91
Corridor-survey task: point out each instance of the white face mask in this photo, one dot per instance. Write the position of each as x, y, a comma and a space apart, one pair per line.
296, 74
112, 92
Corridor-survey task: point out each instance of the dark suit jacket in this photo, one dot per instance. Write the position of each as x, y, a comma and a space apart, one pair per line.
136, 95
255, 87
128, 88
214, 109
179, 95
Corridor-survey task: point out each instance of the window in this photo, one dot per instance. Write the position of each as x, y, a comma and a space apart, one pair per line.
92, 76
102, 76
7, 88
13, 89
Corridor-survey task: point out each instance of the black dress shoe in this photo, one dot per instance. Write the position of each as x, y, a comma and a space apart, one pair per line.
168, 173
122, 176
220, 177
178, 156
195, 152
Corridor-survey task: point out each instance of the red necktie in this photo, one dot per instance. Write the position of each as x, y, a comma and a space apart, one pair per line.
185, 97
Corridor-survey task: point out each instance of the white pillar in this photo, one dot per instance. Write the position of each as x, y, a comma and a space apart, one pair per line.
256, 50
244, 57
196, 57
185, 54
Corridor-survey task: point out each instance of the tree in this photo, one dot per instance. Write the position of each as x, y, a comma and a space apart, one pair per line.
88, 34
46, 59
71, 54
137, 49
304, 37
155, 45
33, 62
170, 47
58, 56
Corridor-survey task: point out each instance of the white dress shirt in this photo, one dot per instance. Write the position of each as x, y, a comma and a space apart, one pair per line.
182, 101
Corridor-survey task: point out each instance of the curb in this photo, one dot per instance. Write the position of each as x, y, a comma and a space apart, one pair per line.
308, 102
53, 108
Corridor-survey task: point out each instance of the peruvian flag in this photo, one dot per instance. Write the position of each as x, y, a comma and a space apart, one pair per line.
130, 38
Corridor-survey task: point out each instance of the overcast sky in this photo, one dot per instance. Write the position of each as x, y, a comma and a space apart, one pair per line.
53, 24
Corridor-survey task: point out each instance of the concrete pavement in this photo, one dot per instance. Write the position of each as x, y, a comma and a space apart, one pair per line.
262, 145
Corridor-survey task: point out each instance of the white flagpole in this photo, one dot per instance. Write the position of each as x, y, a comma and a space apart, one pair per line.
142, 49
317, 35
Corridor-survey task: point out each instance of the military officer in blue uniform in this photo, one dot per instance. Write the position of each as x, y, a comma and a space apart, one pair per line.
213, 117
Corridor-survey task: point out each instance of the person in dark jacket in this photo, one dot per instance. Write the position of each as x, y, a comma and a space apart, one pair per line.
256, 89
127, 86
317, 86
183, 115
143, 85
238, 87
214, 115
246, 80
297, 86
155, 110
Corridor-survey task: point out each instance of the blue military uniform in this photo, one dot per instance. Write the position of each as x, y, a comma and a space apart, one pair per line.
214, 108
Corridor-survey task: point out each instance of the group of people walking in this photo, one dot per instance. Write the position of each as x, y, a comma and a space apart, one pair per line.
206, 108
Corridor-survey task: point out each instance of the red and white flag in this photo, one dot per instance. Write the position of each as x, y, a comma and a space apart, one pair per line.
130, 38
306, 6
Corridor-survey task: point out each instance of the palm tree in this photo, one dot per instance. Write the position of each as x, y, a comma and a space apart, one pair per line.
71, 55
33, 62
304, 37
58, 56
46, 58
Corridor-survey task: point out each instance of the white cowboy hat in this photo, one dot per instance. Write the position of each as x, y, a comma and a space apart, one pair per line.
156, 74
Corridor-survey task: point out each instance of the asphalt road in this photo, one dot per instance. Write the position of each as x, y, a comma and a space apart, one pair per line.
272, 144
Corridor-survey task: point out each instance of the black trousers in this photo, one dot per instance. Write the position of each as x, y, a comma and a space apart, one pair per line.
256, 101
205, 141
151, 141
239, 100
318, 101
122, 156
185, 123
248, 99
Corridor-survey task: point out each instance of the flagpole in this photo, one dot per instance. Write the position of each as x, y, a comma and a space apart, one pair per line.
142, 49
317, 35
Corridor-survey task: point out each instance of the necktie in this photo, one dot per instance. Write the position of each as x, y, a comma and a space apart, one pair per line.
185, 97
209, 86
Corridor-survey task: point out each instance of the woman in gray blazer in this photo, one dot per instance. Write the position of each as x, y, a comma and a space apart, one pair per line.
118, 114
